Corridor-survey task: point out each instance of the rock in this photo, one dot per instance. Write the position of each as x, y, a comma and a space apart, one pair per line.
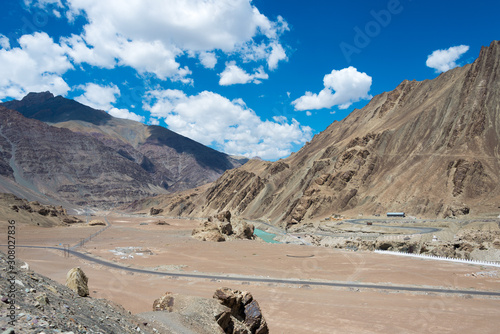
72, 220
164, 303
77, 281
154, 212
224, 216
96, 222
243, 230
208, 231
246, 315
225, 227
230, 298
223, 230
224, 318
161, 222
42, 299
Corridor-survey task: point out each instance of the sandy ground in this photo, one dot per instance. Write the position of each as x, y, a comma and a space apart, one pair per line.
287, 308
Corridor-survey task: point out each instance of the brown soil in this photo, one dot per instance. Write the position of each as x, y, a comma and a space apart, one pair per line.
287, 308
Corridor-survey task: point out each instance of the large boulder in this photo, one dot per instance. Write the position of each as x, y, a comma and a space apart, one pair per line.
246, 315
208, 231
224, 216
243, 230
164, 303
77, 281
221, 229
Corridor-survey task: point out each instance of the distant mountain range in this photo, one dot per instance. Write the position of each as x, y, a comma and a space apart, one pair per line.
53, 148
429, 148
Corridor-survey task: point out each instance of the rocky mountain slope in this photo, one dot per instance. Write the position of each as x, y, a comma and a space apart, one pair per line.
429, 148
87, 156
42, 305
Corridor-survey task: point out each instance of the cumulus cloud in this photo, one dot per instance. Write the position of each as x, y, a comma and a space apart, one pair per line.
232, 75
97, 96
444, 60
208, 59
277, 54
4, 42
36, 65
124, 113
150, 35
342, 88
230, 126
103, 98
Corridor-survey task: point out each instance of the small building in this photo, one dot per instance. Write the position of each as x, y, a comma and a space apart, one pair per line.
396, 214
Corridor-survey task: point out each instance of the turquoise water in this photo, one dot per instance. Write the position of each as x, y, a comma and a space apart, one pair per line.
267, 237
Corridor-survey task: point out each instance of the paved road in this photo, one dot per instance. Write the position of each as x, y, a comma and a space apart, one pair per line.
423, 230
270, 280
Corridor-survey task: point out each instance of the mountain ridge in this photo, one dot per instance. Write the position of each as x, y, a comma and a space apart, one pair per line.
163, 161
429, 148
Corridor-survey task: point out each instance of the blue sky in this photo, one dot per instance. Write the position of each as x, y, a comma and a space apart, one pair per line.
254, 78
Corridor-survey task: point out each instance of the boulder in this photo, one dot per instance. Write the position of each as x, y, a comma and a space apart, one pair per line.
161, 222
222, 229
243, 230
225, 227
246, 315
154, 212
97, 222
77, 281
224, 216
164, 303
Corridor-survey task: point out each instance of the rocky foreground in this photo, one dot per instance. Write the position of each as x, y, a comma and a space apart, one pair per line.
32, 303
43, 305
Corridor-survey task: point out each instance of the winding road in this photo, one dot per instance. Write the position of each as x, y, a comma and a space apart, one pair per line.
256, 279
269, 279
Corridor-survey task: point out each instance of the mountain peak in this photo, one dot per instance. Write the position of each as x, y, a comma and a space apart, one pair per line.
41, 97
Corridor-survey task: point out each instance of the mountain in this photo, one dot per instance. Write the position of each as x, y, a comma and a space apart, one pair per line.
429, 148
56, 147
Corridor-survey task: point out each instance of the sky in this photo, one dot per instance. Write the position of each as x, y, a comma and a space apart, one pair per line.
252, 78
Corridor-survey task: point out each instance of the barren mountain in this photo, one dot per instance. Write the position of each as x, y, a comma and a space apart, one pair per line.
90, 157
429, 148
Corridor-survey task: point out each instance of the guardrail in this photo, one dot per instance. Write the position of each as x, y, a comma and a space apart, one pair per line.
441, 258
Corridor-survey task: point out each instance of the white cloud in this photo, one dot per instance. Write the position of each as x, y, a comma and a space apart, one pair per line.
154, 121
208, 59
342, 88
444, 60
98, 97
232, 75
103, 98
4, 42
37, 65
150, 35
43, 3
230, 126
124, 113
277, 54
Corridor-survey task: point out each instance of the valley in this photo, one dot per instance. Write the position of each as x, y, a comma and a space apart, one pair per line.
291, 281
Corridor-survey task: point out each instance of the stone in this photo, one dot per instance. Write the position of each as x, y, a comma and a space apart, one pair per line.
225, 228
97, 222
154, 212
246, 315
77, 281
244, 230
164, 303
224, 216
253, 315
42, 299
